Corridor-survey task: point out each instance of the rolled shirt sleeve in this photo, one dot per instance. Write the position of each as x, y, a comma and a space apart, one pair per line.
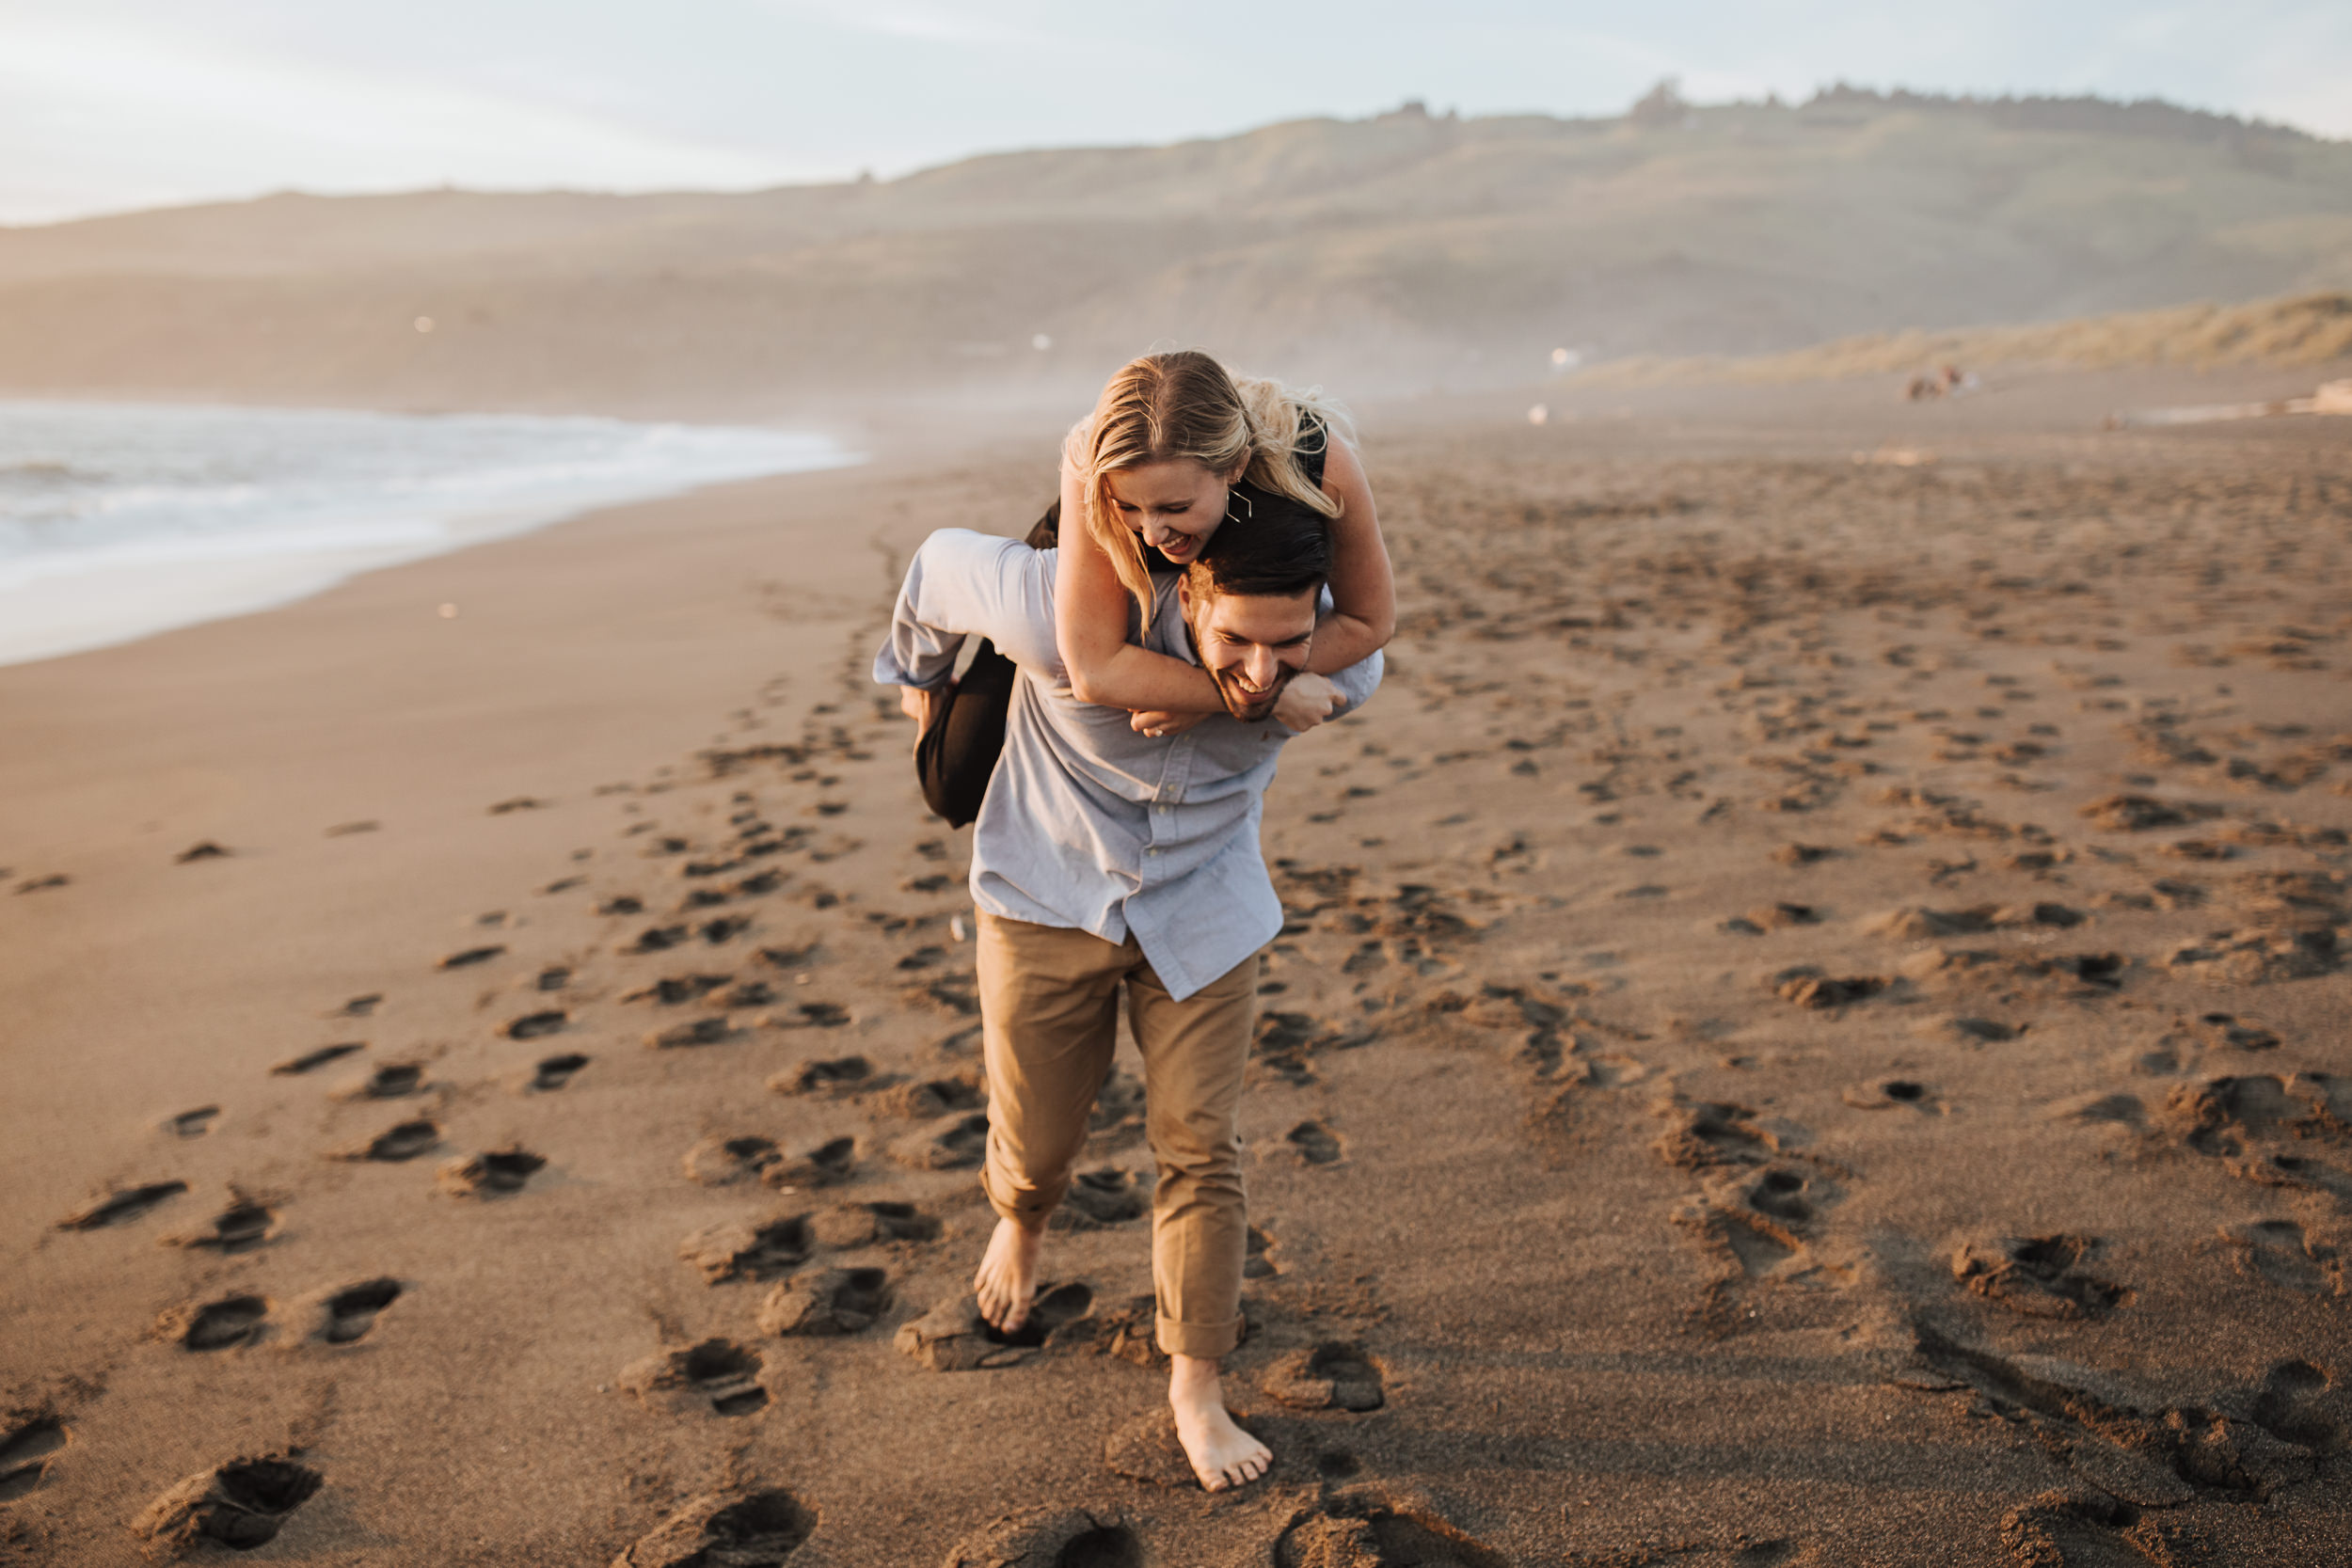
965, 584
1357, 682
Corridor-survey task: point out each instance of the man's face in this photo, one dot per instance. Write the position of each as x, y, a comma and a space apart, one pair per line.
1251, 645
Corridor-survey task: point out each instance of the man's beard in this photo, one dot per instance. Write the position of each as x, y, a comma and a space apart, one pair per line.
1241, 705
1249, 707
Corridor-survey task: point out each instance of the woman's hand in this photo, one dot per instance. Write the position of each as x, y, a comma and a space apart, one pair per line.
1305, 703
1164, 723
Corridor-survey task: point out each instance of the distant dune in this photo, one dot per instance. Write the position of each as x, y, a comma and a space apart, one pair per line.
2307, 329
1400, 253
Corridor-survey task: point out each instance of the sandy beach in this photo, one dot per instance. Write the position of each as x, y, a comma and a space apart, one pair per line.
1810, 1032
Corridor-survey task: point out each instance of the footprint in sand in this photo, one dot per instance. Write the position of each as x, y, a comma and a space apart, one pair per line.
701, 1031
531, 1026
717, 1375
358, 1006
954, 1142
403, 1140
2289, 1406
2089, 1529
192, 1124
825, 1302
2226, 1032
2281, 1253
757, 1531
855, 1224
2039, 1276
674, 989
1811, 988
2299, 1172
1258, 1261
553, 1073
311, 1060
721, 1161
2222, 1116
1884, 1094
1712, 1132
245, 1224
1054, 1538
831, 1162
392, 1080
933, 1098
222, 1324
26, 1450
1103, 1197
1334, 1375
1314, 1144
656, 939
954, 1338
809, 1015
1371, 1526
737, 1249
1119, 1104
1771, 917
241, 1505
470, 957
346, 1314
500, 1173
121, 1206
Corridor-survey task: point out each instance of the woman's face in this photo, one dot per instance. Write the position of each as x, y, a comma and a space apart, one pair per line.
1174, 505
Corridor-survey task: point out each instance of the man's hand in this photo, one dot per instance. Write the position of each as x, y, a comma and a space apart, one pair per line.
1164, 723
1305, 703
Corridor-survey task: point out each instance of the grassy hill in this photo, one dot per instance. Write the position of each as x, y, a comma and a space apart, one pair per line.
1389, 254
2304, 330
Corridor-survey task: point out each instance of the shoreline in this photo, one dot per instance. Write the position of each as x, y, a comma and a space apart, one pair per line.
304, 528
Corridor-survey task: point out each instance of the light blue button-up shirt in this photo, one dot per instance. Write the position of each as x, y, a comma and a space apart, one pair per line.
1087, 824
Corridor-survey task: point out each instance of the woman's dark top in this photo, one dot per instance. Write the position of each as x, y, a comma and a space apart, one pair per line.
958, 752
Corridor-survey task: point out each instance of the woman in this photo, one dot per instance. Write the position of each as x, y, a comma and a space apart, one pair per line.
1174, 449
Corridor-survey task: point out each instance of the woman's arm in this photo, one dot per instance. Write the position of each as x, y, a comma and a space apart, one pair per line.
1090, 623
1363, 588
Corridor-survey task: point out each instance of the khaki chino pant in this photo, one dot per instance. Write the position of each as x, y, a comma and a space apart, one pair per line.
1049, 1011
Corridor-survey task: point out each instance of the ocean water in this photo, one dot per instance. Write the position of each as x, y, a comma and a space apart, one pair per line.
119, 520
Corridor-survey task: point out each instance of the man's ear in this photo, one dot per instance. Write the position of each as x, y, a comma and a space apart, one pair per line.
1183, 594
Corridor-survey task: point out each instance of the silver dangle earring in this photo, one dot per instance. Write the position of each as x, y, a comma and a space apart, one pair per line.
1232, 495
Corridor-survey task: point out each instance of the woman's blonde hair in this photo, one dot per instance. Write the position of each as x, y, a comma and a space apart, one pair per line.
1164, 407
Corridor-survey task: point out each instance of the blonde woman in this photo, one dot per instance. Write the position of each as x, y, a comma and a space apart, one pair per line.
1175, 450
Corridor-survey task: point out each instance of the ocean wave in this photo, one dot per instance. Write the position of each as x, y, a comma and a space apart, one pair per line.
239, 498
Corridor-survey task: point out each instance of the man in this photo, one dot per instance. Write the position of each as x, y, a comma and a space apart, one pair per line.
1105, 857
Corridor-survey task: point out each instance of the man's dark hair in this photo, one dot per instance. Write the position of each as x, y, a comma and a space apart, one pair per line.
1273, 546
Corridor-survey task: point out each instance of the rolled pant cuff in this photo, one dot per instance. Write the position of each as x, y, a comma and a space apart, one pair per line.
1207, 1341
1030, 1211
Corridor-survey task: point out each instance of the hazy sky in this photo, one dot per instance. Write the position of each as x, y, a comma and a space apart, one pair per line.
115, 103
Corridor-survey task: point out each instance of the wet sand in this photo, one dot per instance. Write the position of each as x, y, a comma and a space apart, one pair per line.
1810, 1033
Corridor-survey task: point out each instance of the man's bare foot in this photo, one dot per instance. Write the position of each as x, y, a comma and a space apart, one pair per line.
1222, 1454
1007, 1276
